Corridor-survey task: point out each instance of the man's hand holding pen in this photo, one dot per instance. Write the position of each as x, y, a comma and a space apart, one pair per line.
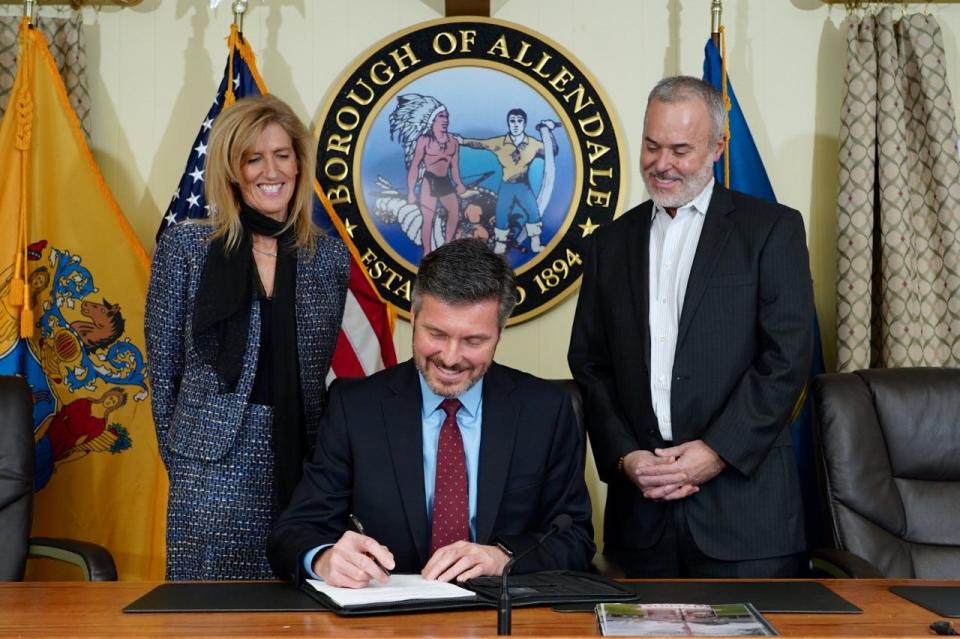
354, 561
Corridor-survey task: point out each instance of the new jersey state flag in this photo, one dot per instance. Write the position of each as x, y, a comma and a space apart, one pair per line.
73, 280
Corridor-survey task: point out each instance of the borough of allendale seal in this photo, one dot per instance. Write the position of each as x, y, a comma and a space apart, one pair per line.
470, 127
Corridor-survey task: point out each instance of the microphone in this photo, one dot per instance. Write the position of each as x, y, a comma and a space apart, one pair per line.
559, 524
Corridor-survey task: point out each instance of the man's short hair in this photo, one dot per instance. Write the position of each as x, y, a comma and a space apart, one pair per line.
466, 271
679, 88
520, 112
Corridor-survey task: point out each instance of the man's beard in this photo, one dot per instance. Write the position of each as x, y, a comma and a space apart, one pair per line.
449, 392
691, 188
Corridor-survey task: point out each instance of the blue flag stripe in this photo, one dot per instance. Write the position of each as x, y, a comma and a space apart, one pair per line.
748, 175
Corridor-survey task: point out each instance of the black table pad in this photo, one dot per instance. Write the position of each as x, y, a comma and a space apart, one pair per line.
766, 596
943, 600
225, 597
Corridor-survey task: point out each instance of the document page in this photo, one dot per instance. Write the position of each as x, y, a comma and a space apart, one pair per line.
398, 588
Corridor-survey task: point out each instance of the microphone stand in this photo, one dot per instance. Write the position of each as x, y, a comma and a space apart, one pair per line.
504, 611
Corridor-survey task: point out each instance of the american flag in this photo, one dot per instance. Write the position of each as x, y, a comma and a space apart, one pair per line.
240, 79
365, 343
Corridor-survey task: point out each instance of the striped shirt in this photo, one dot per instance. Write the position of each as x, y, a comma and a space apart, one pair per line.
673, 244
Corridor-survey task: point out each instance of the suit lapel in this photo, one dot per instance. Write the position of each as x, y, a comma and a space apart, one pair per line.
404, 431
639, 274
499, 428
713, 237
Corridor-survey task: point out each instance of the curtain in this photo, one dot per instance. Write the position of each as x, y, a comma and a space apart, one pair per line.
898, 283
65, 36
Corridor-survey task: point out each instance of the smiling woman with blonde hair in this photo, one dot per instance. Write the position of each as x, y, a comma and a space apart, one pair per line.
243, 315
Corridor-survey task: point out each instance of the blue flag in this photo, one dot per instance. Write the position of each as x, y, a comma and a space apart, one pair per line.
747, 175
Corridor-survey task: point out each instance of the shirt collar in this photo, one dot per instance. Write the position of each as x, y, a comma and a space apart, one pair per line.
508, 139
699, 204
470, 398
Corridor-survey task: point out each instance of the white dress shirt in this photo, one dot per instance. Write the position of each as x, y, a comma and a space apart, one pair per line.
673, 245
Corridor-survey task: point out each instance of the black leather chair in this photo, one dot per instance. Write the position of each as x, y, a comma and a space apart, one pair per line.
16, 497
888, 445
600, 564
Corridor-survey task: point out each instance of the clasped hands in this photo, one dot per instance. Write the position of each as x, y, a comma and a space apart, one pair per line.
672, 473
350, 562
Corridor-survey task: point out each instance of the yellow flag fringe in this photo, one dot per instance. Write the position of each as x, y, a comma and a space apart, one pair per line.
726, 106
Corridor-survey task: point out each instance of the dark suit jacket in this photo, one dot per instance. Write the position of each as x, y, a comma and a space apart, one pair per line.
369, 462
742, 357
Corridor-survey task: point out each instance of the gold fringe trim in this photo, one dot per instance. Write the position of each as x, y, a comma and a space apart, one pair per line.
800, 401
19, 295
726, 106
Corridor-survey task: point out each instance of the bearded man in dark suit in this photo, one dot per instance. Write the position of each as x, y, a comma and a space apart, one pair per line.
451, 461
691, 344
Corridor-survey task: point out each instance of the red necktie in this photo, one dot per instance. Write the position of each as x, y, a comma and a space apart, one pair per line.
450, 518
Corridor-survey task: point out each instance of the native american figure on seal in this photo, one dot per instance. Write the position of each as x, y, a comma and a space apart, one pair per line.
432, 157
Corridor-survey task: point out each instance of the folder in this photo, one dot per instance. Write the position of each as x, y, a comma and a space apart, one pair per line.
544, 588
534, 589
943, 600
225, 596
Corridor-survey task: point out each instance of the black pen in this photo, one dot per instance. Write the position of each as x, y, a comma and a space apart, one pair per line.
359, 528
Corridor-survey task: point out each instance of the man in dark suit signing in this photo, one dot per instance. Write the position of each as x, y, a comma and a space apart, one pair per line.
450, 461
691, 344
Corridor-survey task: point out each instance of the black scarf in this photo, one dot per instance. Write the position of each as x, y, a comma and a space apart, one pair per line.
221, 317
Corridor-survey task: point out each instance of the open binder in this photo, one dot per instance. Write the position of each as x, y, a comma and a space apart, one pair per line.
534, 589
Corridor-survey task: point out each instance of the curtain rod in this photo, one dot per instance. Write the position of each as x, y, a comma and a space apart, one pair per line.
76, 4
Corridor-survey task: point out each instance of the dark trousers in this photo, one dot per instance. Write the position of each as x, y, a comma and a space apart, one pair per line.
676, 555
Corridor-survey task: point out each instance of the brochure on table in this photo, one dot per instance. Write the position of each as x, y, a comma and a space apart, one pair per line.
682, 620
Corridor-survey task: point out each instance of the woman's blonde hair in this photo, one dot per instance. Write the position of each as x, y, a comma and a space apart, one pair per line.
234, 133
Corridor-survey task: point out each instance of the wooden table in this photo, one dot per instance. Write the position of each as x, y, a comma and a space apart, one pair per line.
74, 609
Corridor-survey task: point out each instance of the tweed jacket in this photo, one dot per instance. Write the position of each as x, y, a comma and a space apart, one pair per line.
195, 417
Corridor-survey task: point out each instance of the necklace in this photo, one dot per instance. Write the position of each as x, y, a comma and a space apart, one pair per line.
267, 253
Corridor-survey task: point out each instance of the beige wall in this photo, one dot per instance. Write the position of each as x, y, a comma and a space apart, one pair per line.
153, 70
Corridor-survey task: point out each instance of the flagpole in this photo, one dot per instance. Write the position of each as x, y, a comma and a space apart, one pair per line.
717, 35
239, 8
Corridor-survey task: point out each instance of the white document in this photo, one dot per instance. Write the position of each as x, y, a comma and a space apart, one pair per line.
398, 588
